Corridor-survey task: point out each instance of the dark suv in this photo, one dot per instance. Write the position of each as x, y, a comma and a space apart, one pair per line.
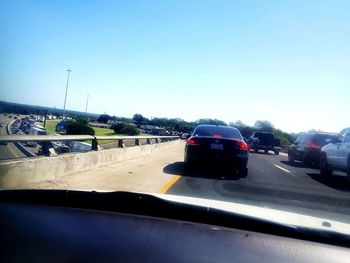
264, 141
307, 147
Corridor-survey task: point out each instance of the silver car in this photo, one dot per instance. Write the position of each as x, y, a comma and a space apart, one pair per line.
335, 156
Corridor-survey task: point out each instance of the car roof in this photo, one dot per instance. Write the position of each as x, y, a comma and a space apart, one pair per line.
319, 133
210, 125
345, 130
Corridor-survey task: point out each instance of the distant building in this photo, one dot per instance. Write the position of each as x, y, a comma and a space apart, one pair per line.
99, 125
153, 130
111, 122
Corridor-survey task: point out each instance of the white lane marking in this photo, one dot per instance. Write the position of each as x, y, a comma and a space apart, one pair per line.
282, 168
283, 154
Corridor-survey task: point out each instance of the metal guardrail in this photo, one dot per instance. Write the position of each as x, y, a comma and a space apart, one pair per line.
44, 138
47, 139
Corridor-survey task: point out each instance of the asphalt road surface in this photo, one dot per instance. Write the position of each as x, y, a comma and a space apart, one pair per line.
271, 182
9, 151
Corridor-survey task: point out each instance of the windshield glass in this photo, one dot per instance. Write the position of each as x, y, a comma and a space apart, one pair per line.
115, 95
263, 136
323, 139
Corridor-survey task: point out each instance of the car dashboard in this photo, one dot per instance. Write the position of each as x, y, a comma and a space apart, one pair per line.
72, 229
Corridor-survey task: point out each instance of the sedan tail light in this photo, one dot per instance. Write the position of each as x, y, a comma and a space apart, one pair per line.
192, 141
314, 145
242, 145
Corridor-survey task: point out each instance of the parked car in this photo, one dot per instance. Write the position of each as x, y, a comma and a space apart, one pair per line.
307, 147
185, 136
335, 156
219, 145
264, 141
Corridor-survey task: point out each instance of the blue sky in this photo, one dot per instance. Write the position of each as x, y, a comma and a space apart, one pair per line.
283, 61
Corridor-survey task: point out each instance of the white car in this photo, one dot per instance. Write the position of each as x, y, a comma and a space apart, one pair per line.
185, 136
335, 156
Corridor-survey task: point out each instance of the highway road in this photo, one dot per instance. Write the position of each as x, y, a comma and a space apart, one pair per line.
271, 182
9, 151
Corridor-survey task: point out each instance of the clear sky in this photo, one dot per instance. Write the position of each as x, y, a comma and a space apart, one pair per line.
283, 61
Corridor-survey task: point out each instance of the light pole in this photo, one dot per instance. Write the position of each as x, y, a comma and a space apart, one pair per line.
65, 97
87, 101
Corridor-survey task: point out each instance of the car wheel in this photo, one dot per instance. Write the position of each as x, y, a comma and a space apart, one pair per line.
266, 151
290, 157
243, 172
277, 152
256, 149
324, 168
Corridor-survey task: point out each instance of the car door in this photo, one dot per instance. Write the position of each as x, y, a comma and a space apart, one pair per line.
344, 150
294, 147
333, 151
299, 146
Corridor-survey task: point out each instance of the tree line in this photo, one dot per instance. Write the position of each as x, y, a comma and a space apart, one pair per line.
182, 126
263, 126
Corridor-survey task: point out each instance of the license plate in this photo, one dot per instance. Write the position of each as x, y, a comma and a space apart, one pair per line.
216, 146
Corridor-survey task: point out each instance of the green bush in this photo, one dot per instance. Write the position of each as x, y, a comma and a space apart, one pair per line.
130, 130
118, 127
79, 127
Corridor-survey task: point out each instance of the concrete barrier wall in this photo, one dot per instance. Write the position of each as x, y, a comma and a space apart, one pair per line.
20, 173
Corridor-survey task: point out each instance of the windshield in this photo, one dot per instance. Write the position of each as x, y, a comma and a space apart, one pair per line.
263, 136
116, 95
323, 139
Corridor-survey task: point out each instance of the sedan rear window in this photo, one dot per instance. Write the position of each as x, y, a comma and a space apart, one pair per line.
321, 138
215, 131
264, 136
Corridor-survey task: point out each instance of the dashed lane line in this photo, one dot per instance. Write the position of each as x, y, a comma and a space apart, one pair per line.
283, 169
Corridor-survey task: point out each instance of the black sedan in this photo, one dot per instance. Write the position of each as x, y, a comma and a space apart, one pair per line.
221, 146
307, 147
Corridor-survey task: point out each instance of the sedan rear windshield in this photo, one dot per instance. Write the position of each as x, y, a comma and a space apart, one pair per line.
213, 131
264, 136
321, 138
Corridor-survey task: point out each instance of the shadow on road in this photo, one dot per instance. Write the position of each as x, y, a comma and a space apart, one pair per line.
294, 164
337, 182
299, 165
262, 153
207, 172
